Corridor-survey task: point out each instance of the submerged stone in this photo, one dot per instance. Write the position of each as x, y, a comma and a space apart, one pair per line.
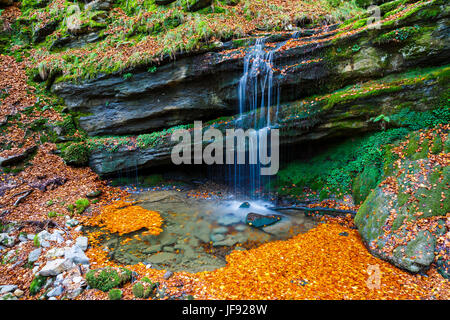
228, 219
245, 205
258, 220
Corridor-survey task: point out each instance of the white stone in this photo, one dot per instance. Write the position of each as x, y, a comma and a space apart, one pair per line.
55, 253
76, 255
77, 279
57, 291
55, 267
7, 288
44, 243
34, 255
82, 243
44, 235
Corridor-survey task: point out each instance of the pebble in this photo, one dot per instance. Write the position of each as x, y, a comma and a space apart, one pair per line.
55, 253
167, 275
44, 243
215, 237
18, 293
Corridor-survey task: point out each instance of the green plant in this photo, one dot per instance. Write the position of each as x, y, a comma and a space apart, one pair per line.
384, 120
36, 284
356, 48
52, 214
71, 208
36, 241
333, 172
127, 76
81, 205
115, 294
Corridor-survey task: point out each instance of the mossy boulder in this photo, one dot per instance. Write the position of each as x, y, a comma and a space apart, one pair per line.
144, 289
403, 218
76, 154
108, 278
115, 294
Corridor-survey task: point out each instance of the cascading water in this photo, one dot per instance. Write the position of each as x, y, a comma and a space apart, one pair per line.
257, 94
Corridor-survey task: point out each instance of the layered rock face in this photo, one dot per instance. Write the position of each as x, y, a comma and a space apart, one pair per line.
204, 87
300, 121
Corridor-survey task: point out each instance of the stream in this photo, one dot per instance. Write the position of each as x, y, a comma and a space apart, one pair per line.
200, 228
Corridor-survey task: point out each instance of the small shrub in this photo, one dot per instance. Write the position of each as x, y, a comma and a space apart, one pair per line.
127, 76
71, 208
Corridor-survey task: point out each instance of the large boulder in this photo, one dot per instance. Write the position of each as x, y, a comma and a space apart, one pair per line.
404, 218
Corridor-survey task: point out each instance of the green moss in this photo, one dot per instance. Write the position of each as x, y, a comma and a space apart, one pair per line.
115, 294
430, 200
364, 183
423, 151
108, 278
76, 154
144, 289
81, 205
429, 13
398, 35
413, 145
353, 166
437, 145
37, 284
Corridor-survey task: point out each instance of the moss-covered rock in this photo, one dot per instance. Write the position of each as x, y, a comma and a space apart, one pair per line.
76, 154
115, 294
144, 289
108, 278
402, 219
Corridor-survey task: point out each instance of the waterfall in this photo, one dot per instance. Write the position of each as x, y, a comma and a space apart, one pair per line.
257, 94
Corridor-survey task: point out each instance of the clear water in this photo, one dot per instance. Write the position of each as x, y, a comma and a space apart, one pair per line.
198, 233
